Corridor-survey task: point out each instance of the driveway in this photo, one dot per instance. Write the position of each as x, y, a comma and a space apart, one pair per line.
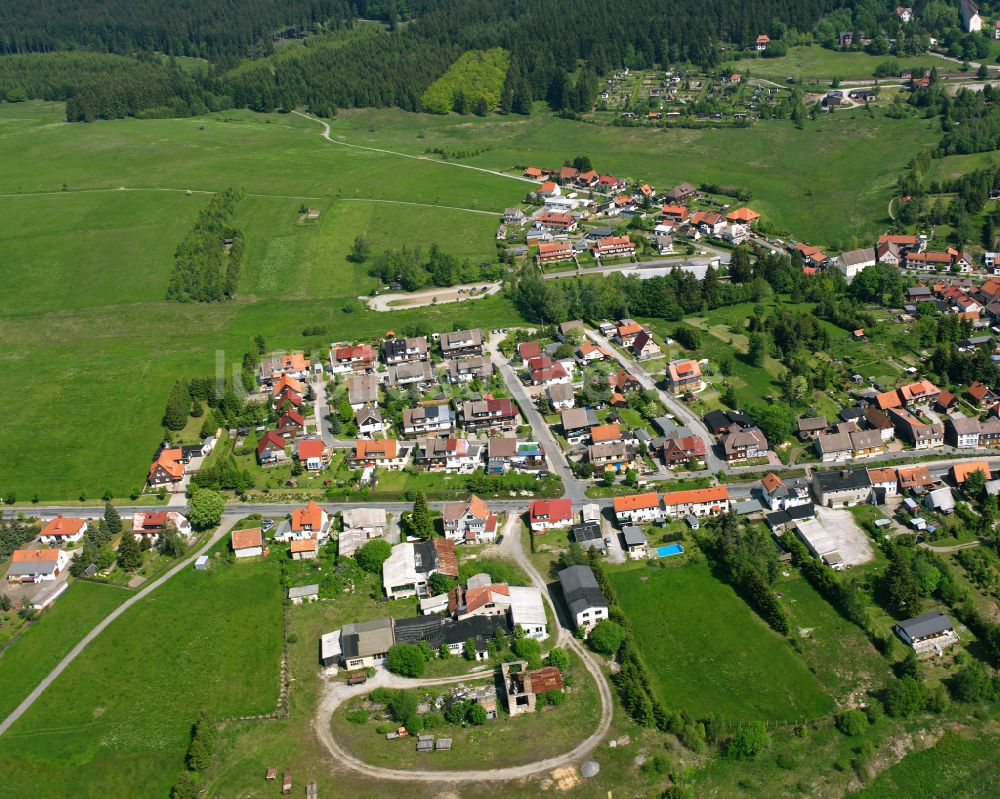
675, 406
575, 489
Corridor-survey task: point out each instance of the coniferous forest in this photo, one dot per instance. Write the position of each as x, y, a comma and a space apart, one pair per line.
360, 55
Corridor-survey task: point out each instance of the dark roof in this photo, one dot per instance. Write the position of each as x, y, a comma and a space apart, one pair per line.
926, 625
851, 414
792, 514
421, 628
843, 480
715, 420
581, 589
591, 531
476, 627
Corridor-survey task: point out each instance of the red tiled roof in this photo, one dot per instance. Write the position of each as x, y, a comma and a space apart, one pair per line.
650, 499
605, 432
308, 518
63, 526
247, 539
34, 555
701, 495
551, 509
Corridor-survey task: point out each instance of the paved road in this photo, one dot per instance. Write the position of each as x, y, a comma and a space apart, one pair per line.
334, 694
574, 489
227, 523
714, 463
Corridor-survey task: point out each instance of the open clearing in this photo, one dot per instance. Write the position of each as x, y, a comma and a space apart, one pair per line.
709, 653
814, 63
120, 716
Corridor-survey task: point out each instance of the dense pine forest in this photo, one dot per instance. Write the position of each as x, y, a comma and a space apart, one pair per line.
354, 54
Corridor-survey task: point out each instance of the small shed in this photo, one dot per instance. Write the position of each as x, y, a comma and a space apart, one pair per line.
443, 745
202, 563
693, 522
286, 783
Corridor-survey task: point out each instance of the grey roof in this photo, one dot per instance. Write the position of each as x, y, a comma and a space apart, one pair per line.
580, 589
853, 257
633, 536
964, 426
843, 480
578, 418
303, 591
926, 625
747, 507
808, 424
24, 568
366, 638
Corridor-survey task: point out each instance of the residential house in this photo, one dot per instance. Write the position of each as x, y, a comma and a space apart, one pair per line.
547, 514
556, 222
989, 432
573, 329
811, 427
506, 452
465, 370
247, 543
634, 542
677, 214
877, 420
928, 260
527, 350
682, 450
969, 12
643, 347
852, 262
546, 372
448, 454
469, 522
614, 247
981, 395
588, 352
352, 358
919, 434
150, 525
627, 331
461, 343
271, 368
931, 632
962, 433
681, 192
914, 477
303, 549
36, 565
63, 530
696, 502
743, 216
369, 421
382, 453
168, 469
885, 482
940, 500
584, 598
638, 508
623, 382
684, 376
363, 645
743, 443
843, 488
428, 420
271, 448
370, 522
406, 375
720, 422
553, 252
560, 396
612, 455
491, 414
404, 350
310, 521
406, 571
312, 454
291, 424
527, 611
362, 390
577, 423
960, 471
762, 42
492, 599
782, 494
833, 447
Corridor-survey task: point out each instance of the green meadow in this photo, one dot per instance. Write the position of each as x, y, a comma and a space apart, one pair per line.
814, 64
708, 653
120, 716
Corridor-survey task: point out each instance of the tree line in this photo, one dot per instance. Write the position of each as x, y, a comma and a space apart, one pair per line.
203, 271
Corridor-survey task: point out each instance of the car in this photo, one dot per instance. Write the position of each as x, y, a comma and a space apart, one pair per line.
607, 541
266, 525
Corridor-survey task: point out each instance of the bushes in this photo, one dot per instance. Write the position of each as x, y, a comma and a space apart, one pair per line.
407, 660
749, 742
852, 722
357, 716
607, 637
371, 555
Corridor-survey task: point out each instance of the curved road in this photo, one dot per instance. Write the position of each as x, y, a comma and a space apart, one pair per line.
336, 694
326, 135
30, 699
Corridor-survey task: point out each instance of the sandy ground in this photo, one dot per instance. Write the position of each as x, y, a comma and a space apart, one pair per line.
436, 296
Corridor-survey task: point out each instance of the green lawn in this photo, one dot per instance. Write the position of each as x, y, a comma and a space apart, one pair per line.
47, 640
118, 721
709, 653
816, 64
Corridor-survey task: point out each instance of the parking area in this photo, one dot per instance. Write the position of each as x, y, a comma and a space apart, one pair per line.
846, 537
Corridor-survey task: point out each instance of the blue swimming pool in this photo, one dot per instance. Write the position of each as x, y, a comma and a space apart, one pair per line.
670, 549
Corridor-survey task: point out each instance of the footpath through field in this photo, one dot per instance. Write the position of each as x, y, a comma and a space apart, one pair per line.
227, 523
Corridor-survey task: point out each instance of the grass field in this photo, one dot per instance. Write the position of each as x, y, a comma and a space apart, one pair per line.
47, 640
955, 767
708, 653
120, 716
813, 63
